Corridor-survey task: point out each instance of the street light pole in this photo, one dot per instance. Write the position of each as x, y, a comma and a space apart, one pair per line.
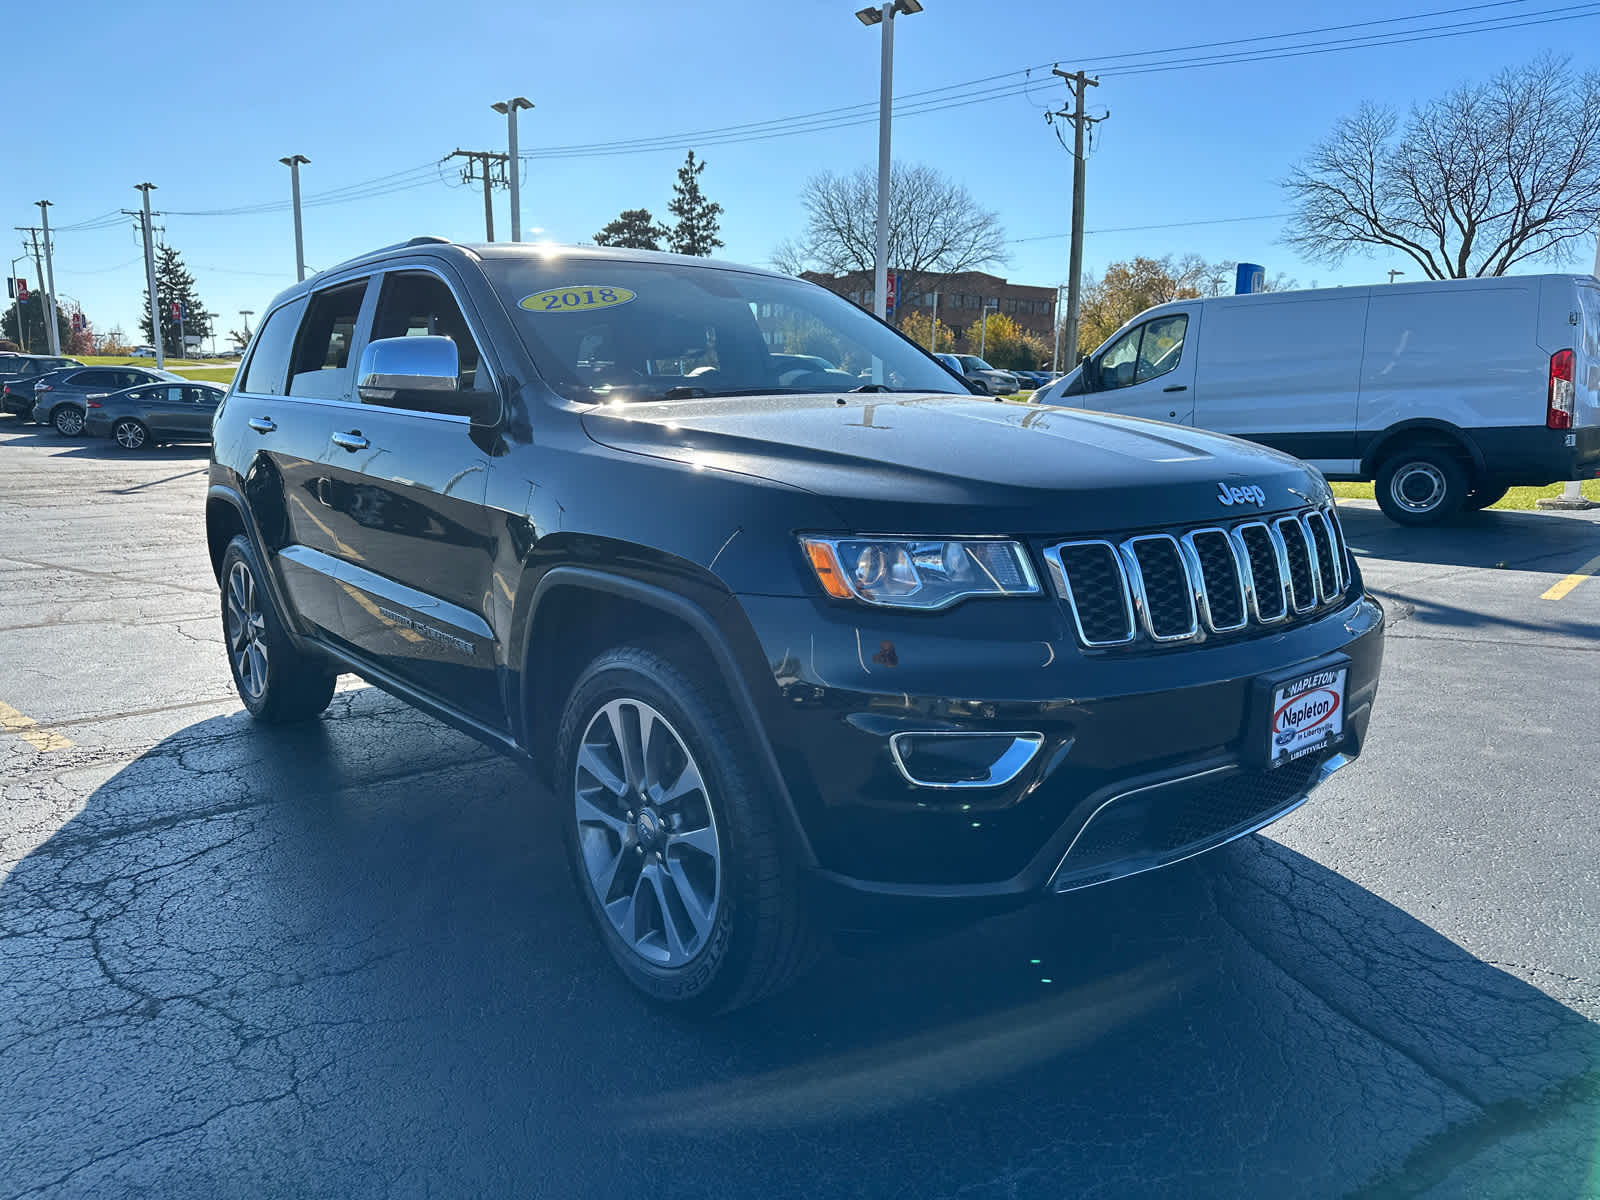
1393, 273
150, 276
22, 333
293, 163
983, 334
513, 166
884, 16
52, 334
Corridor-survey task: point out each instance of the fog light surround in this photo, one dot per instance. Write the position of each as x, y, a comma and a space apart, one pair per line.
947, 758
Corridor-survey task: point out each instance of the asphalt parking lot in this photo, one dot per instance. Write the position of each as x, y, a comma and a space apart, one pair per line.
346, 960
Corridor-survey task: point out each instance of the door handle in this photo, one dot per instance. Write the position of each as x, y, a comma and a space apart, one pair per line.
1177, 387
262, 424
351, 441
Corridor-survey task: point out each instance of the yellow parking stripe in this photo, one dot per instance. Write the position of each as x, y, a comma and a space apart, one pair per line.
1571, 581
26, 728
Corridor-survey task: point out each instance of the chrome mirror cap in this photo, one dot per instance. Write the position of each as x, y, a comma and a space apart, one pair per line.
407, 364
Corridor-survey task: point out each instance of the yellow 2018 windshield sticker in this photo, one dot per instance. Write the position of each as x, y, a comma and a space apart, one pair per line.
580, 297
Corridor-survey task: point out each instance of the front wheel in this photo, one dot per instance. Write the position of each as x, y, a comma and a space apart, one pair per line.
674, 843
130, 434
67, 420
1421, 486
278, 683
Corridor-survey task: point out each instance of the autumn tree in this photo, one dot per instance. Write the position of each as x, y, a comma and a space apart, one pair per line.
1471, 183
1129, 287
918, 326
935, 226
634, 229
1006, 343
697, 225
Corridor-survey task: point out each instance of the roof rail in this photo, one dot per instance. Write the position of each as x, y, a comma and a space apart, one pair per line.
427, 239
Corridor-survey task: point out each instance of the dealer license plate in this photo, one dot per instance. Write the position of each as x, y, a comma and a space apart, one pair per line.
1307, 714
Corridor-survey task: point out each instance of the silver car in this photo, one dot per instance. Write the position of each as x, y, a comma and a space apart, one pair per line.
975, 371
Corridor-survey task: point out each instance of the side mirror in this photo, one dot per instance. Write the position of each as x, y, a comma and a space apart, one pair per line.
419, 373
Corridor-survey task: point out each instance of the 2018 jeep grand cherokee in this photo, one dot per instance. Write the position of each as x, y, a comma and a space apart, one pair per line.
793, 658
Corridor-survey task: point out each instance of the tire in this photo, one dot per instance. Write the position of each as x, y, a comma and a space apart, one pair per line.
1422, 485
67, 419
130, 434
277, 683
1485, 494
708, 862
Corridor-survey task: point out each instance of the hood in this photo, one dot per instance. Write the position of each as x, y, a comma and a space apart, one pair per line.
955, 464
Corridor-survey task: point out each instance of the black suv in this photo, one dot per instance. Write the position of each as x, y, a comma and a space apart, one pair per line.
797, 652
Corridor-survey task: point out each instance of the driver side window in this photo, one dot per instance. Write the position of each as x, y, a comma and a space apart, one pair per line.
1117, 364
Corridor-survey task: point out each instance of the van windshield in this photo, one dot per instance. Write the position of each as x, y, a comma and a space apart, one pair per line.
602, 330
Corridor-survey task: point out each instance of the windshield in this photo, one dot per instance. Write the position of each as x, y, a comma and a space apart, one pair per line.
602, 330
973, 363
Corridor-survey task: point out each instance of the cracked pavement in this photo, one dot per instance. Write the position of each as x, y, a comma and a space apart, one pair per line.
346, 960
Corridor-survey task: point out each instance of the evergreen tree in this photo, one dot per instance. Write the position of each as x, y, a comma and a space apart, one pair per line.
696, 230
173, 282
635, 229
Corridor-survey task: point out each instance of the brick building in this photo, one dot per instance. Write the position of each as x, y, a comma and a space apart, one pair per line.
961, 298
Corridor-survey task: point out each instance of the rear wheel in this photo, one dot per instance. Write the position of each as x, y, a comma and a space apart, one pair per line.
130, 434
1421, 485
674, 844
278, 683
68, 420
1485, 494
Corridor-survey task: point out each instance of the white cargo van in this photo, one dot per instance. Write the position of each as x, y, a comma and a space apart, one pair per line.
1444, 393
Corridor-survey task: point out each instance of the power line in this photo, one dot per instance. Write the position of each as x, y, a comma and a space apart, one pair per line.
938, 99
1046, 237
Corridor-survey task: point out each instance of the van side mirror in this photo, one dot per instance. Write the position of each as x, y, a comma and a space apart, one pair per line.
419, 373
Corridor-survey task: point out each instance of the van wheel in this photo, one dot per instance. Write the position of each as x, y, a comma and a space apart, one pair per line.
1421, 486
1486, 494
674, 843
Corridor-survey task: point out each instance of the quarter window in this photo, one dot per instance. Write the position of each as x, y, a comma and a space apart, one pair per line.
269, 361
322, 367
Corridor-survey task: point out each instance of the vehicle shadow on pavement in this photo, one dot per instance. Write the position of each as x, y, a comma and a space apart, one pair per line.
1507, 540
346, 960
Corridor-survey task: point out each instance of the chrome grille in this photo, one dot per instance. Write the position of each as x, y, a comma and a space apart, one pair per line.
1178, 587
1161, 589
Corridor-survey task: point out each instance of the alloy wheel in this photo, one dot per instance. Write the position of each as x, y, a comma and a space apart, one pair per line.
1418, 487
646, 833
69, 422
246, 627
129, 434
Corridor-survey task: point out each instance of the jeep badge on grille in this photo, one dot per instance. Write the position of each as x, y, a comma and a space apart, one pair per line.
1250, 494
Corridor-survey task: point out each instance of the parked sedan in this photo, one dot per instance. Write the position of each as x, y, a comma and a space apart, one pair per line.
148, 414
18, 374
59, 398
988, 379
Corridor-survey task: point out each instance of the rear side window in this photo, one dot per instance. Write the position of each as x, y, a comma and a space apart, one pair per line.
93, 379
322, 366
269, 360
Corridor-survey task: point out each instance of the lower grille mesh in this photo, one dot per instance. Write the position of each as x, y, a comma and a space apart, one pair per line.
1148, 828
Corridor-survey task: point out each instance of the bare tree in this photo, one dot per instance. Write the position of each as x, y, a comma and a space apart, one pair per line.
935, 226
1471, 184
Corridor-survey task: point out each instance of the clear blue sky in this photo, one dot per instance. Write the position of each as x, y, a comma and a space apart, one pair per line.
222, 92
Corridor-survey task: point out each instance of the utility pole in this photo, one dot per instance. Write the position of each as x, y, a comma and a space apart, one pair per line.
150, 275
514, 170
293, 163
1393, 273
52, 334
493, 173
1080, 123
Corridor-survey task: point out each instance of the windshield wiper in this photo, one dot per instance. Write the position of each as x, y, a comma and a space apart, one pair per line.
873, 387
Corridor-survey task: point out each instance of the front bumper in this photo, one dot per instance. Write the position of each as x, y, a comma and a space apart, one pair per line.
1147, 747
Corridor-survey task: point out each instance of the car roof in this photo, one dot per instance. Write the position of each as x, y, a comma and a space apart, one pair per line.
478, 252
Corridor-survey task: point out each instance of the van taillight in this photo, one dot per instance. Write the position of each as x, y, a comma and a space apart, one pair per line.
1558, 413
